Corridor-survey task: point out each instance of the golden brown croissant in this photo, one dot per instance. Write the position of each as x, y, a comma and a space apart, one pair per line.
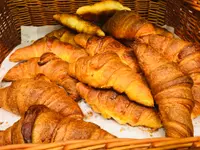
128, 25
42, 125
107, 71
51, 66
97, 45
64, 35
78, 24
64, 51
100, 11
18, 97
171, 89
113, 105
185, 54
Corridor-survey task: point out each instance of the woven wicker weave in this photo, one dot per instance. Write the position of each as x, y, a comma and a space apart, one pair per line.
184, 18
114, 144
183, 15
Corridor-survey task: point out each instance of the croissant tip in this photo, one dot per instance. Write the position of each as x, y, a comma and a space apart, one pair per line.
150, 103
79, 11
147, 102
56, 16
11, 58
126, 8
100, 33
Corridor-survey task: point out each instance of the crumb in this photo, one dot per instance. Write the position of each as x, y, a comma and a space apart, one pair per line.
1, 123
86, 117
6, 122
122, 129
151, 134
90, 114
147, 129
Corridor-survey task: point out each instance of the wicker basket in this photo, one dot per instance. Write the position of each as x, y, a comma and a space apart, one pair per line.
183, 15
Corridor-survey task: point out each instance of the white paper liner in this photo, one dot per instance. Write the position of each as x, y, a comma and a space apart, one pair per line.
30, 34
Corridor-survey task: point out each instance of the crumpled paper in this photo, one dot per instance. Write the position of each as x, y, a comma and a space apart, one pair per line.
28, 35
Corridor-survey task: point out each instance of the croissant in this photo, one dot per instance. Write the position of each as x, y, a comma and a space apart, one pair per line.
163, 32
127, 25
57, 33
64, 35
100, 11
171, 90
51, 66
113, 105
42, 125
64, 51
107, 71
185, 54
22, 94
78, 24
97, 45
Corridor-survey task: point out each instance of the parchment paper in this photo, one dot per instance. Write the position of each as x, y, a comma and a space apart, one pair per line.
28, 35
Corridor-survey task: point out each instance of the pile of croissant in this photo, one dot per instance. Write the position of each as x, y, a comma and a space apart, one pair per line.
124, 68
